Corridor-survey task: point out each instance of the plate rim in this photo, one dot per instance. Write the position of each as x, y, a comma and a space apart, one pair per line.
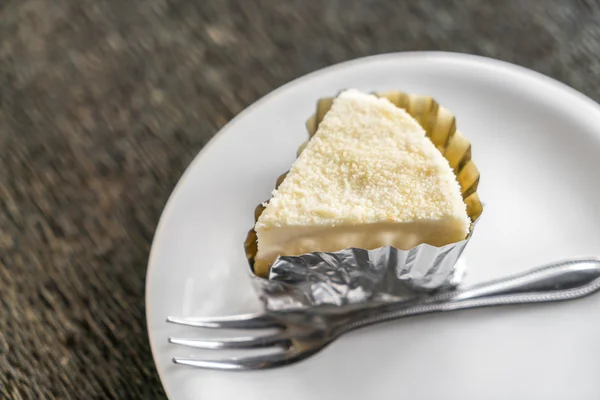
456, 57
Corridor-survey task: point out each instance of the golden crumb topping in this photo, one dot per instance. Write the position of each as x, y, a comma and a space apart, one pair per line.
369, 162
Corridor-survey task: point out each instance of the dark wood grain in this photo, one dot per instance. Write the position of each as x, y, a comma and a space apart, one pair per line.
104, 103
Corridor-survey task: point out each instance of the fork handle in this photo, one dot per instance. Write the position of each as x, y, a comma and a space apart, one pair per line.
566, 280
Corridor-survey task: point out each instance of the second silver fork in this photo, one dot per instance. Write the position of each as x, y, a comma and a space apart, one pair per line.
300, 334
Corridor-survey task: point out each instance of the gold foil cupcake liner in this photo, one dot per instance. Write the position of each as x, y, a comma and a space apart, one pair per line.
426, 267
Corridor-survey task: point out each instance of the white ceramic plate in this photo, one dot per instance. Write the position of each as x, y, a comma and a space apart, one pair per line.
537, 145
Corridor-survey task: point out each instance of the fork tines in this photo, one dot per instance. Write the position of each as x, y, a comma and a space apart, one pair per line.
244, 321
280, 339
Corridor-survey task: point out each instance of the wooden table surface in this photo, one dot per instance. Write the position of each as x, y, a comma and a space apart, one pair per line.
103, 103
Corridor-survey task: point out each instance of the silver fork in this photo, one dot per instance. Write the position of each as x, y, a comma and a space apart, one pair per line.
302, 334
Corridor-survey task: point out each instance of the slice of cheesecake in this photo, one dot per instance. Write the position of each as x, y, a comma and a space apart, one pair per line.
368, 178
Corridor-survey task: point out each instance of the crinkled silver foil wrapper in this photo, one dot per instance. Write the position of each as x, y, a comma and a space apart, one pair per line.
353, 277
